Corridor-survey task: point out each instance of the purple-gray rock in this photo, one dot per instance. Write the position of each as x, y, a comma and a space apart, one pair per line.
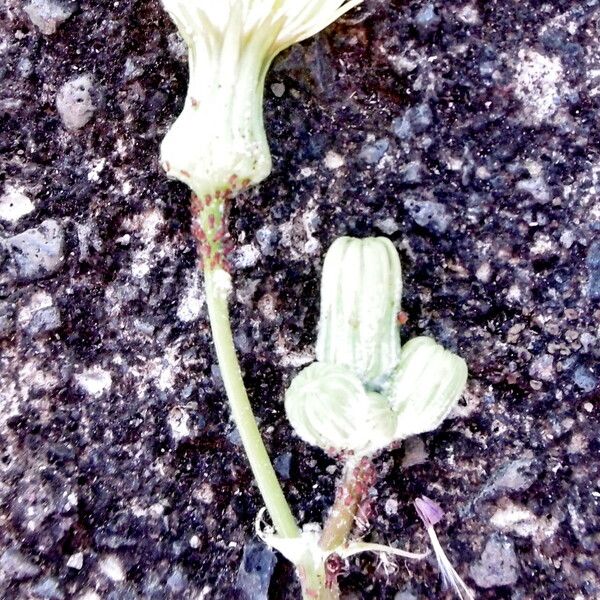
7, 318
75, 102
416, 120
585, 379
515, 476
256, 570
39, 252
47, 15
48, 589
39, 315
427, 19
373, 152
429, 214
177, 582
593, 265
282, 464
498, 564
17, 567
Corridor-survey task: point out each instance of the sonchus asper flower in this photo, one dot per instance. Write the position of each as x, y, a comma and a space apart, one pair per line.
365, 392
218, 142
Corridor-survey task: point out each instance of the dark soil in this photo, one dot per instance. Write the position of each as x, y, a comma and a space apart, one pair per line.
469, 135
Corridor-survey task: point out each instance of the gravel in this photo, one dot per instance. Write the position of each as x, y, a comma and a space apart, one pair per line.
17, 567
47, 15
256, 570
75, 102
498, 565
497, 228
37, 253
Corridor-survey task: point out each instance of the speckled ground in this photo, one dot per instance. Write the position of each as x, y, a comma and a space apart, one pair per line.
468, 132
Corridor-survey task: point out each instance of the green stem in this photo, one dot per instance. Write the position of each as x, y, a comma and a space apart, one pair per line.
217, 282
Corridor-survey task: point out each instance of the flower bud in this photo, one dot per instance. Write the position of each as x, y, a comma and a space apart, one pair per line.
361, 287
328, 407
425, 386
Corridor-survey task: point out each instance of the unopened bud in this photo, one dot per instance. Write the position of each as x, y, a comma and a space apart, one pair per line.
361, 287
328, 407
425, 386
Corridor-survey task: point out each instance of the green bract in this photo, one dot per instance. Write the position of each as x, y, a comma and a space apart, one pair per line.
365, 392
361, 287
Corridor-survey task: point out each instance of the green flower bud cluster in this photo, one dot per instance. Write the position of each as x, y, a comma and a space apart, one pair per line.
365, 392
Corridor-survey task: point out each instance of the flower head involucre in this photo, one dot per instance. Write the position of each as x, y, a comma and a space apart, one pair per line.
218, 142
361, 287
328, 407
365, 392
425, 386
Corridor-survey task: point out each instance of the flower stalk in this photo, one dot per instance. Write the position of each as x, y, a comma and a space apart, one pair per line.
218, 147
218, 284
358, 477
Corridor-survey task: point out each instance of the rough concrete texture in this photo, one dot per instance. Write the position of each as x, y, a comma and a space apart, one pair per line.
467, 132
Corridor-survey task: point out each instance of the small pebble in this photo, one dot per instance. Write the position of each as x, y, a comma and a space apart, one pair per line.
75, 561
498, 564
177, 582
255, 571
113, 569
372, 153
74, 102
37, 252
16, 566
39, 315
543, 368
47, 15
278, 89
584, 379
282, 464
48, 589
429, 214
427, 19
14, 205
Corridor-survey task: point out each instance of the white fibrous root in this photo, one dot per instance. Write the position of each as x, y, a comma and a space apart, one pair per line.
218, 143
306, 549
366, 392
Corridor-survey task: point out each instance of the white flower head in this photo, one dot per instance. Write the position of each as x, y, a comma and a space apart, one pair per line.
324, 405
218, 142
425, 386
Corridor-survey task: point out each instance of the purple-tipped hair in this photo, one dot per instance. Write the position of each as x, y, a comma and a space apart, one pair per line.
429, 511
